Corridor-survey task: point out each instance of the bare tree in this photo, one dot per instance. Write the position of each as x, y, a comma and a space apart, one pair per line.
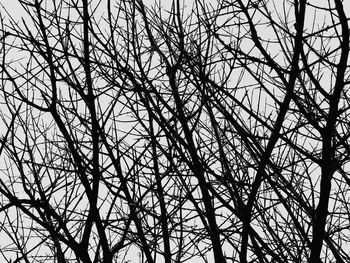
141, 131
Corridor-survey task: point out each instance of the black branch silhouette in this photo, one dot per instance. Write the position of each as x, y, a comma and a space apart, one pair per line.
174, 131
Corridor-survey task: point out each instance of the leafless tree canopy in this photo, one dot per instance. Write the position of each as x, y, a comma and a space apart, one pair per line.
174, 131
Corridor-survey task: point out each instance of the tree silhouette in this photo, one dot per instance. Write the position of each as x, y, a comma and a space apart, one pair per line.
155, 131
